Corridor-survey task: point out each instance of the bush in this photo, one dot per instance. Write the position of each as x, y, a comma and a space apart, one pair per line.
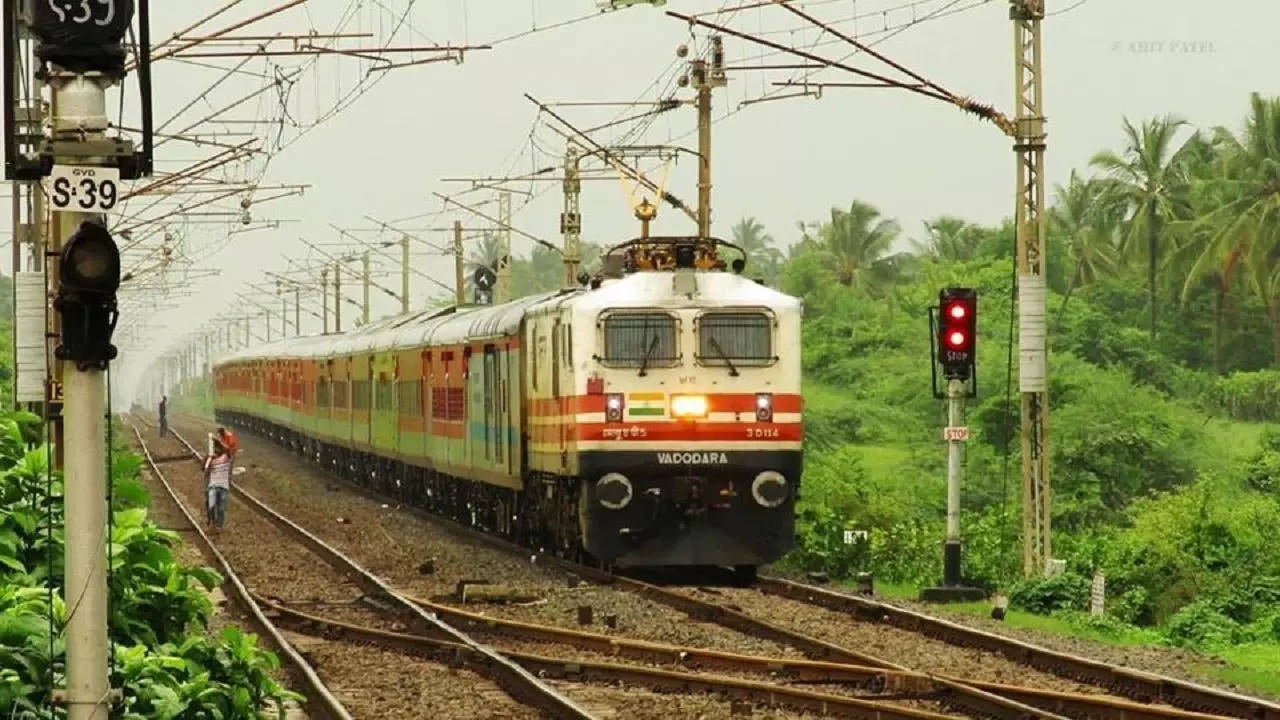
1201, 626
820, 545
159, 608
1250, 395
1046, 595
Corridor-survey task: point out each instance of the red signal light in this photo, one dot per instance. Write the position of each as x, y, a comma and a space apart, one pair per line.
957, 332
956, 339
957, 311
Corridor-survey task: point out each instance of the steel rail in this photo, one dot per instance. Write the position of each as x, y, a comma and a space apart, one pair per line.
991, 699
879, 679
1147, 686
588, 671
321, 701
522, 685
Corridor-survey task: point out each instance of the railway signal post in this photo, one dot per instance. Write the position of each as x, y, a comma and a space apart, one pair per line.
956, 353
78, 56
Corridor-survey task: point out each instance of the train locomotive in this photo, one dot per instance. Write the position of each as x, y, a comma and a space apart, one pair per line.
650, 417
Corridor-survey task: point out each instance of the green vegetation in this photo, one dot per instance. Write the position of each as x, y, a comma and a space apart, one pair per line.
163, 658
1164, 272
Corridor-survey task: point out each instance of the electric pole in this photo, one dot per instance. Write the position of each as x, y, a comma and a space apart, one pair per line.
459, 289
571, 218
324, 299
503, 293
284, 312
364, 308
404, 274
297, 310
1029, 144
337, 296
705, 77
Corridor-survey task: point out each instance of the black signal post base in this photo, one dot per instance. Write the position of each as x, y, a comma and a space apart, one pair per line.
953, 588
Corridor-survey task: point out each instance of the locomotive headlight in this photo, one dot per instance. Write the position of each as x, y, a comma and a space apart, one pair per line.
614, 491
764, 407
770, 488
613, 407
689, 406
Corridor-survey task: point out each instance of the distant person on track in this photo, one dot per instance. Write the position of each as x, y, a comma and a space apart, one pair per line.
164, 418
217, 483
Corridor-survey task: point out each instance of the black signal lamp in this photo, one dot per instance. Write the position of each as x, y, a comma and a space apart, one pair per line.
89, 275
82, 36
957, 332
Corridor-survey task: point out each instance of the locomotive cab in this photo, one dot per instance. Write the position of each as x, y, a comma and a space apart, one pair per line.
687, 439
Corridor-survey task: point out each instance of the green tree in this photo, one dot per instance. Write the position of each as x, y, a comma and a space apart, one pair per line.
1145, 178
951, 239
764, 259
857, 243
1087, 223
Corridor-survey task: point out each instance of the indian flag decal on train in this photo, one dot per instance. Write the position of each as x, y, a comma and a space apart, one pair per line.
647, 404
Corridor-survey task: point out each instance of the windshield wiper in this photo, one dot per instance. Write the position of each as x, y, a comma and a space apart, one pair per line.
715, 345
644, 364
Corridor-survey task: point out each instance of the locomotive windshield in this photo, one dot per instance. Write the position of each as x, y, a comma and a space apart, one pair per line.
640, 340
728, 339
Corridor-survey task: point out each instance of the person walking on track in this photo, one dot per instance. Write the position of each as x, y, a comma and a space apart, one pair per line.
217, 475
164, 419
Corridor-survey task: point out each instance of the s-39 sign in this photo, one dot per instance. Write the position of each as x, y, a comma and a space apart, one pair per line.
83, 189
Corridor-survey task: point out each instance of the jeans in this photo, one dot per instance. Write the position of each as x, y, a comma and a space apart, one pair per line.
164, 427
217, 506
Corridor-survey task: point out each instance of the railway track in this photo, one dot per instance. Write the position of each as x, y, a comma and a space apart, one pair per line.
765, 692
837, 665
459, 649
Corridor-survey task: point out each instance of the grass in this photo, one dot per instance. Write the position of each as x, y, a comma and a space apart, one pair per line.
1254, 665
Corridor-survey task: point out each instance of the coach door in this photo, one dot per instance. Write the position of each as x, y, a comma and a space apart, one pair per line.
492, 421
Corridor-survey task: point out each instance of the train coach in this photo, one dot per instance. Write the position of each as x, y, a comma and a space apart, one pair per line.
652, 418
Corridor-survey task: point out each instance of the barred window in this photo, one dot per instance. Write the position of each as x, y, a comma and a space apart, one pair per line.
410, 397
631, 337
359, 394
744, 338
382, 391
322, 393
340, 395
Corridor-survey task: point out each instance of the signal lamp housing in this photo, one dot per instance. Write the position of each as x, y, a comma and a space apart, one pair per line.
80, 36
958, 332
614, 406
89, 276
764, 407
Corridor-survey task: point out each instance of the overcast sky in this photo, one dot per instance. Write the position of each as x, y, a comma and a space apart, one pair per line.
781, 162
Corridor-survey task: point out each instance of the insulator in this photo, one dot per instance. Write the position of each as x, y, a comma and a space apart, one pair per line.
245, 203
682, 51
246, 219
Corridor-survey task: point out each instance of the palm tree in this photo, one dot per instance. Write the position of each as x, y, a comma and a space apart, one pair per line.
759, 247
1087, 222
1145, 177
857, 242
950, 238
1213, 166
1249, 191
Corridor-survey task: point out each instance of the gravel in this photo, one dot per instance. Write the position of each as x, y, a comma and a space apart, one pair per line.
912, 650
393, 542
372, 683
375, 683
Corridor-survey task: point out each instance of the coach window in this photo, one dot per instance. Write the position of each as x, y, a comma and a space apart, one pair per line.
640, 340
735, 338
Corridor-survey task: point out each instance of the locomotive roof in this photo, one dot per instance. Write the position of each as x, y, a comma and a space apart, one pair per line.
451, 326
